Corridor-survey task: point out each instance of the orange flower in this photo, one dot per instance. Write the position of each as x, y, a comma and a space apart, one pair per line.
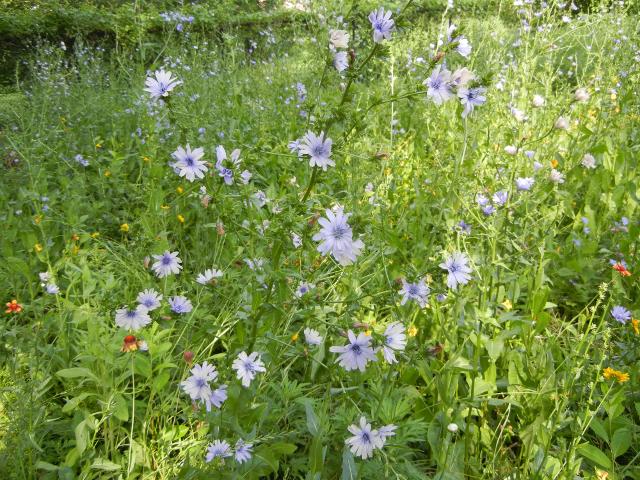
635, 325
621, 268
554, 163
13, 307
609, 373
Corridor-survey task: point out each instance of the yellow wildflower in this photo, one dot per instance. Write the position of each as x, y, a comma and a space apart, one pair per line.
124, 227
610, 373
412, 331
107, 173
635, 325
95, 234
37, 247
294, 337
180, 218
507, 305
554, 163
179, 189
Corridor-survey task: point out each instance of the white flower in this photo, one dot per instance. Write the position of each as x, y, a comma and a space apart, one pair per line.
197, 385
457, 266
538, 101
44, 276
589, 161
555, 176
149, 298
318, 148
582, 95
511, 149
464, 47
189, 164
519, 115
356, 354
461, 77
218, 449
243, 451
161, 85
168, 263
133, 319
364, 439
395, 340
312, 337
561, 123
524, 183
339, 38
341, 61
247, 367
452, 427
208, 275
336, 238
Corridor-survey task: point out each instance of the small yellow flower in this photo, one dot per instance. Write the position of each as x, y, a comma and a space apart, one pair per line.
107, 173
124, 227
37, 219
635, 324
610, 373
75, 249
98, 145
179, 189
75, 237
554, 163
180, 218
412, 331
146, 159
367, 333
507, 305
613, 97
95, 234
294, 337
165, 207
37, 247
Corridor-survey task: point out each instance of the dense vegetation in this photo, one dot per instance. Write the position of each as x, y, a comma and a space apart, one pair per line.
483, 280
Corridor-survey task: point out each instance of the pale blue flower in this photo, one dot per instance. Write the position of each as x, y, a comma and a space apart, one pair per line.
166, 264
218, 449
243, 451
180, 304
132, 319
459, 272
149, 298
439, 86
356, 354
382, 24
418, 292
471, 98
621, 314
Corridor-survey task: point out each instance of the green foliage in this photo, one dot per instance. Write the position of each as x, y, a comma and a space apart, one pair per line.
501, 378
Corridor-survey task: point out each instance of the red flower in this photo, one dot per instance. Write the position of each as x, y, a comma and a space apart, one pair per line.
621, 268
13, 307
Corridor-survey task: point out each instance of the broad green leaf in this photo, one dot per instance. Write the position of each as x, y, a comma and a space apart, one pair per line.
594, 454
105, 465
620, 442
77, 372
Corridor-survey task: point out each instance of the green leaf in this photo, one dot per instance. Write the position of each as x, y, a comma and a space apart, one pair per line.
77, 372
73, 403
598, 429
594, 454
349, 468
620, 442
49, 467
120, 408
105, 465
82, 436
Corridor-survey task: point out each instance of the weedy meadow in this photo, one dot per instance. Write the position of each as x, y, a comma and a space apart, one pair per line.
373, 244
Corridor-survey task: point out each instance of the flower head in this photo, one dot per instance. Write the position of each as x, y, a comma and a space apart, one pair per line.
395, 340
208, 276
226, 172
621, 314
610, 373
180, 304
303, 289
470, 98
457, 266
589, 161
161, 85
166, 264
218, 449
149, 298
13, 307
336, 238
365, 439
188, 163
418, 292
439, 85
318, 148
382, 24
197, 385
339, 38
312, 337
356, 354
524, 183
243, 451
247, 367
341, 61
133, 319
